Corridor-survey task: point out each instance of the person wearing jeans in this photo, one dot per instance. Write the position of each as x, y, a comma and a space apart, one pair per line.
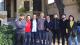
70, 39
27, 38
20, 27
41, 29
47, 26
34, 30
28, 31
72, 31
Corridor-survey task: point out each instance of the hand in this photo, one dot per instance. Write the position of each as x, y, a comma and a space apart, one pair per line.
48, 30
66, 30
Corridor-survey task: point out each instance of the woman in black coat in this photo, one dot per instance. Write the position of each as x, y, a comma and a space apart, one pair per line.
72, 30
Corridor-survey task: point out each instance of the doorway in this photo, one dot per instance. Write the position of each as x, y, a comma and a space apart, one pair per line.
8, 8
11, 11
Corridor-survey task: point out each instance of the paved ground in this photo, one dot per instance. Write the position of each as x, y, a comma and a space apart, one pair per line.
65, 43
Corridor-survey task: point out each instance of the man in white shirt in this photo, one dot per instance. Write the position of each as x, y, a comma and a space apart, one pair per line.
34, 30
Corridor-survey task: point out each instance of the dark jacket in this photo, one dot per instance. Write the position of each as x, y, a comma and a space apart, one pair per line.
63, 26
55, 24
47, 25
72, 31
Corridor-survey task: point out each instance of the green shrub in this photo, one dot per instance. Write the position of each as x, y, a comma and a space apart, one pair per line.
6, 35
22, 10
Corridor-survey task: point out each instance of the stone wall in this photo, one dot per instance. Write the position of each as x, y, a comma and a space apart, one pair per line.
71, 8
52, 9
3, 17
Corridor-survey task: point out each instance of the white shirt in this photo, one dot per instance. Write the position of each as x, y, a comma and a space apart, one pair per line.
34, 26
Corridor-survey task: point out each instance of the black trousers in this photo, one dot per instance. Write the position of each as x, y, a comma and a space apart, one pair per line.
20, 36
56, 34
63, 36
67, 35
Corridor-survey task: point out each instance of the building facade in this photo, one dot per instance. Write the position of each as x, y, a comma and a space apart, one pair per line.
71, 8
10, 8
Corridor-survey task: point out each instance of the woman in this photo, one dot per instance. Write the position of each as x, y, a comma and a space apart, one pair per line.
72, 30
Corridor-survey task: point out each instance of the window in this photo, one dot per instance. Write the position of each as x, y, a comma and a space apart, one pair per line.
37, 5
1, 5
51, 1
26, 5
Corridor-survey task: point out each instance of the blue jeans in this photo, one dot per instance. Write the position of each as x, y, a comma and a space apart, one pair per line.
48, 38
28, 38
33, 38
42, 37
72, 38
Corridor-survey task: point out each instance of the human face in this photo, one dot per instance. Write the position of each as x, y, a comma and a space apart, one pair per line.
48, 18
56, 16
34, 16
71, 18
28, 17
22, 17
42, 15
63, 16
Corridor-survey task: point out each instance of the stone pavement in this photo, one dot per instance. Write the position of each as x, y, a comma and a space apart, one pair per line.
65, 43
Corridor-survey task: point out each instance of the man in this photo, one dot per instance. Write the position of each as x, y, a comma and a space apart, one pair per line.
56, 29
28, 31
63, 27
41, 29
20, 27
47, 25
34, 30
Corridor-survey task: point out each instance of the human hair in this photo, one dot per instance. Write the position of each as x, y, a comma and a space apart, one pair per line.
21, 14
27, 15
64, 14
34, 14
71, 16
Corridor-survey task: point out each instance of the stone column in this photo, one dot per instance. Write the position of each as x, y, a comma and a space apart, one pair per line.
42, 5
12, 8
31, 7
46, 7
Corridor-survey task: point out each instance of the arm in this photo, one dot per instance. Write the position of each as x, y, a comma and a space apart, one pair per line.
20, 24
51, 25
45, 25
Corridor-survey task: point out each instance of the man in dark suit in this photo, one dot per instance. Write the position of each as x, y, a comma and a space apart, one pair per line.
63, 23
55, 29
47, 26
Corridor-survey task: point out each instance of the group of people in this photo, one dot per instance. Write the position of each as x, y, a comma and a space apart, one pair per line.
44, 30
